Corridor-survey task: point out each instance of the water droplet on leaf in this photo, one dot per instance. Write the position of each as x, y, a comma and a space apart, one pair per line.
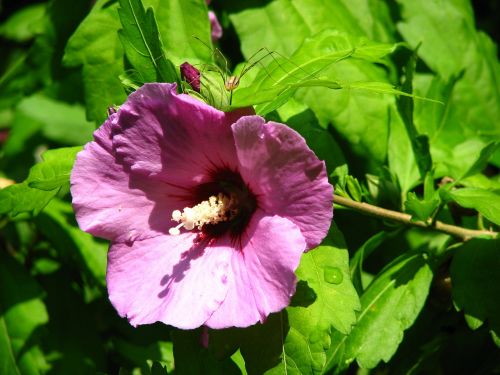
333, 275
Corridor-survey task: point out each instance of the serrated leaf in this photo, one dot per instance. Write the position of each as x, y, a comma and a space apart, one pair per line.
22, 312
158, 369
325, 270
53, 172
484, 201
476, 283
141, 41
389, 306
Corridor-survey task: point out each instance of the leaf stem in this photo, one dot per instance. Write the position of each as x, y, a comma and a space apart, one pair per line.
462, 233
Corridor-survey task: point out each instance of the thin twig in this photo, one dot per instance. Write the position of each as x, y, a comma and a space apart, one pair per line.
365, 208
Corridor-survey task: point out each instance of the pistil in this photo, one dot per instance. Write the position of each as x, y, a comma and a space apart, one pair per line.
214, 210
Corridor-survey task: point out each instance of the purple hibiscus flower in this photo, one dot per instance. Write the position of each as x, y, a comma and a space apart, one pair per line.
207, 212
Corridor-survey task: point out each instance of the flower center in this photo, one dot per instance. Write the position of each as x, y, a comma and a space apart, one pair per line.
222, 205
214, 210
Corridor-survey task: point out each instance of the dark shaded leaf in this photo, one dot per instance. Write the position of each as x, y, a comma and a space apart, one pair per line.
22, 312
476, 282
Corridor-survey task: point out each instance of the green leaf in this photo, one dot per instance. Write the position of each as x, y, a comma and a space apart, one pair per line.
360, 117
139, 353
44, 182
476, 282
485, 201
419, 143
95, 46
73, 329
400, 155
481, 181
295, 340
421, 209
88, 254
141, 41
179, 22
356, 264
54, 170
22, 313
324, 272
314, 56
389, 306
191, 358
460, 49
24, 24
482, 160
58, 121
303, 19
354, 188
303, 120
158, 369
339, 179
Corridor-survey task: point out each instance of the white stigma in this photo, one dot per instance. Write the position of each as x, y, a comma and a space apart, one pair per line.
214, 210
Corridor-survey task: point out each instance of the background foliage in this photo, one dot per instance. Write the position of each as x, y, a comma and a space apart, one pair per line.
375, 297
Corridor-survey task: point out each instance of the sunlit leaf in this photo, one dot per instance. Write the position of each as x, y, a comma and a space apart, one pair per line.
485, 201
96, 47
45, 181
142, 44
185, 30
459, 51
389, 306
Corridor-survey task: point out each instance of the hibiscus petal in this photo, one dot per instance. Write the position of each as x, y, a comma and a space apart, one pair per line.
168, 279
175, 138
112, 204
262, 278
288, 178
